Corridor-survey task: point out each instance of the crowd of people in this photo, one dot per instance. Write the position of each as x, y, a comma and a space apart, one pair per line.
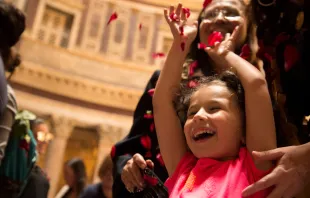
207, 124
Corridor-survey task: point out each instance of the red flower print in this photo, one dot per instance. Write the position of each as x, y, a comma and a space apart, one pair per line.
140, 26
291, 56
150, 180
268, 57
182, 46
174, 17
148, 154
112, 18
146, 142
201, 46
192, 67
158, 55
148, 115
152, 127
214, 37
186, 11
151, 92
192, 84
113, 151
24, 145
282, 37
245, 52
206, 3
160, 159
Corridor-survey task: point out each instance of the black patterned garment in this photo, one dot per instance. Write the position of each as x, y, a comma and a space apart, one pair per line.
141, 139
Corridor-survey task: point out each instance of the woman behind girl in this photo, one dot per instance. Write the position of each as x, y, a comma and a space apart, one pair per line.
75, 177
210, 156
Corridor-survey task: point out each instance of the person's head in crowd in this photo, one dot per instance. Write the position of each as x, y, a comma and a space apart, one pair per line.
12, 25
106, 175
223, 16
41, 133
75, 175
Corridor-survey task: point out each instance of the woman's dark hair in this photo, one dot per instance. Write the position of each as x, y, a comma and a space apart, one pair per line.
79, 171
34, 123
106, 165
12, 25
230, 80
202, 57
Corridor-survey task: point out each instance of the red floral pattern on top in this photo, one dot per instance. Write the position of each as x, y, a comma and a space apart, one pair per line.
291, 56
113, 151
150, 180
245, 52
192, 68
148, 115
282, 37
201, 46
151, 92
160, 159
146, 142
152, 127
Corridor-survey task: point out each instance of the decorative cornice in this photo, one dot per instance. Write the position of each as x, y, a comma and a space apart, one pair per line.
77, 4
79, 88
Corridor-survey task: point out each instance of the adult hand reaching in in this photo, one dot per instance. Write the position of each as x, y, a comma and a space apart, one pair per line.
289, 177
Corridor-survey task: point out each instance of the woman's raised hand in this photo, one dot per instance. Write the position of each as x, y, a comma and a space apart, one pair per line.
177, 20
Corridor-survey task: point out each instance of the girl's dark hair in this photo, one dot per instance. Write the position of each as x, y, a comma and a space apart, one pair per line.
12, 25
79, 170
230, 80
202, 57
106, 165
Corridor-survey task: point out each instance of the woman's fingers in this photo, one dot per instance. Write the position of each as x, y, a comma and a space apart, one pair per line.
136, 176
178, 10
150, 164
166, 15
139, 160
171, 10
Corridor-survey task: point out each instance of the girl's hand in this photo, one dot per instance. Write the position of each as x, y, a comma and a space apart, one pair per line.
131, 175
181, 31
220, 49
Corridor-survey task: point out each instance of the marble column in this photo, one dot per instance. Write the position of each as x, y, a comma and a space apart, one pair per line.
62, 128
109, 135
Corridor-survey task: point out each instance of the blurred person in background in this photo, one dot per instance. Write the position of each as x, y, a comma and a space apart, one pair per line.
75, 177
38, 182
103, 189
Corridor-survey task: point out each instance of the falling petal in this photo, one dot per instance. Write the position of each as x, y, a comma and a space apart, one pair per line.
158, 55
112, 18
187, 12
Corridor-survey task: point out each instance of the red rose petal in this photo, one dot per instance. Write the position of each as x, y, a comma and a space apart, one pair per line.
187, 12
150, 180
152, 127
291, 56
201, 46
174, 17
160, 159
140, 26
151, 92
182, 46
245, 52
146, 142
192, 84
282, 37
206, 3
192, 67
158, 55
112, 18
215, 37
113, 151
24, 145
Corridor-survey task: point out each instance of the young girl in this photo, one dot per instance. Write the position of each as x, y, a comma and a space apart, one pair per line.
211, 155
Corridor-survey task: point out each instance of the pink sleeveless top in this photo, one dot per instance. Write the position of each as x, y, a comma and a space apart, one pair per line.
209, 178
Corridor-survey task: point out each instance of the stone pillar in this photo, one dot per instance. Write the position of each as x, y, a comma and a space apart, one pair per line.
109, 135
62, 128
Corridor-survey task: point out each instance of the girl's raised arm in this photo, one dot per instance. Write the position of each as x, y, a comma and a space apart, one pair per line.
168, 127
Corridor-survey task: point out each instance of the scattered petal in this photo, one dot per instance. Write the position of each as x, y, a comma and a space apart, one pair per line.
140, 26
192, 84
146, 142
201, 46
152, 127
215, 37
187, 12
150, 180
160, 159
112, 18
192, 67
113, 151
245, 52
291, 56
183, 46
206, 3
151, 92
282, 37
158, 55
174, 17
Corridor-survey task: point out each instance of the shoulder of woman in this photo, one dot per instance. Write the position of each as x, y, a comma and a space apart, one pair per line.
62, 191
